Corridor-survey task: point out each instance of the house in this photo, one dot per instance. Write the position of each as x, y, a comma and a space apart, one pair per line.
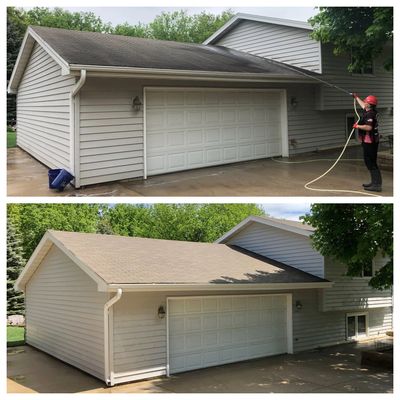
109, 107
124, 309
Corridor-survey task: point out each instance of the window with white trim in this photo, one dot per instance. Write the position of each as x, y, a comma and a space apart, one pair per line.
356, 325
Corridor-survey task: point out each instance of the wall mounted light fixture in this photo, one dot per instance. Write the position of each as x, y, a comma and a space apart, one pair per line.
161, 312
293, 102
299, 305
136, 103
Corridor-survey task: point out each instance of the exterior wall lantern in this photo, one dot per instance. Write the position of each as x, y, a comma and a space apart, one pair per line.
136, 103
293, 102
298, 305
161, 312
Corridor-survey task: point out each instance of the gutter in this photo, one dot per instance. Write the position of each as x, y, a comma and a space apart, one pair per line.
74, 127
108, 374
103, 71
156, 287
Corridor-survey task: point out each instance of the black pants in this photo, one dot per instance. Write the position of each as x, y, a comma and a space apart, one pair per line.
370, 155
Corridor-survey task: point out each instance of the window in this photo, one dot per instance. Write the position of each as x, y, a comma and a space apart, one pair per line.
367, 270
356, 325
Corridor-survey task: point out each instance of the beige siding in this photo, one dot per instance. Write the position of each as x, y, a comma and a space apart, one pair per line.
64, 313
140, 341
286, 44
111, 132
283, 246
352, 292
43, 111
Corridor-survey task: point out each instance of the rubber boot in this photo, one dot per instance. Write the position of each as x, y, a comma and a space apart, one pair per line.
376, 181
365, 185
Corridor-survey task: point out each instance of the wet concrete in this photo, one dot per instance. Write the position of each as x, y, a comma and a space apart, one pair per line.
266, 177
333, 369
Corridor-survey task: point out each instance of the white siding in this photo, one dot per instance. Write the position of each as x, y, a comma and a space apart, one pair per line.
111, 132
286, 44
140, 341
283, 246
64, 313
43, 110
352, 292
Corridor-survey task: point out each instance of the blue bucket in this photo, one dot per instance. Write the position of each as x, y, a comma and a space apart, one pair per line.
60, 179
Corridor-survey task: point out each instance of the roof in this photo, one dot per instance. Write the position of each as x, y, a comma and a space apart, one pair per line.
236, 19
121, 260
101, 53
296, 227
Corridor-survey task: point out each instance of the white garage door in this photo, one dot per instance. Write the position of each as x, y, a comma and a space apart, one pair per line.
211, 330
192, 128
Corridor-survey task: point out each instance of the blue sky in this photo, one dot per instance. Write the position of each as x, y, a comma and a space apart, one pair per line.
287, 211
133, 15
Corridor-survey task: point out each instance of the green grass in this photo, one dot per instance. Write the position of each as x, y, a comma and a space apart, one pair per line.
11, 138
15, 336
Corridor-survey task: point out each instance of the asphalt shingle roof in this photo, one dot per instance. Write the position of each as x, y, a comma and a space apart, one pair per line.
93, 48
134, 260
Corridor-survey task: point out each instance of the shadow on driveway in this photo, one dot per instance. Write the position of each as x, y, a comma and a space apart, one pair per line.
330, 370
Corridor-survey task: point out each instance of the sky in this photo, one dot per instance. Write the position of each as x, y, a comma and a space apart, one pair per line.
287, 211
133, 15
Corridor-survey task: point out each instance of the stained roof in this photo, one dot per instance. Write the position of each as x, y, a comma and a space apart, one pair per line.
93, 48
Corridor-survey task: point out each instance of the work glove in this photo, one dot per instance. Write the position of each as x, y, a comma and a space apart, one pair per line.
355, 95
355, 126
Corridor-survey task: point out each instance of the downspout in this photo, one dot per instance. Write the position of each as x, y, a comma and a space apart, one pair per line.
74, 127
107, 360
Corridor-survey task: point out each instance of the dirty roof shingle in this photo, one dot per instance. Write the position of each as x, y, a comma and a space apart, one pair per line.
134, 260
93, 48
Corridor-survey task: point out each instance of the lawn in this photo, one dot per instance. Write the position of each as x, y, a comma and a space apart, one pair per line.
15, 335
11, 138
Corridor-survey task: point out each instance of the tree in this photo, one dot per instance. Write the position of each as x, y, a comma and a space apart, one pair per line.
359, 31
354, 234
15, 264
178, 26
33, 220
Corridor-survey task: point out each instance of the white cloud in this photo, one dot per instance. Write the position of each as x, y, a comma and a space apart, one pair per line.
287, 211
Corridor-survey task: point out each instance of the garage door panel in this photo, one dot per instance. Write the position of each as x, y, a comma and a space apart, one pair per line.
188, 121
220, 329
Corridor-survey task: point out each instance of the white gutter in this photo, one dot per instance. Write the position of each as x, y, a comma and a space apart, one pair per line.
102, 71
74, 127
107, 353
156, 287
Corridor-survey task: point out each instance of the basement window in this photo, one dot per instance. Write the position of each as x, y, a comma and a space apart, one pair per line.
356, 325
350, 121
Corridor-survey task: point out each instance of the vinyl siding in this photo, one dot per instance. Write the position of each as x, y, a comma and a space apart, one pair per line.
289, 45
335, 71
352, 292
111, 132
283, 246
140, 340
64, 313
43, 110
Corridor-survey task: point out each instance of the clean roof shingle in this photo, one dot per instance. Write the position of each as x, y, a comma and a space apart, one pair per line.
134, 260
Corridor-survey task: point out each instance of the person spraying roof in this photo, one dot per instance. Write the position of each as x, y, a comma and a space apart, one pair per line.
369, 136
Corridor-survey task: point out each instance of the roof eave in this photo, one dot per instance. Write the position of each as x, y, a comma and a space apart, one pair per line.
129, 72
159, 287
23, 58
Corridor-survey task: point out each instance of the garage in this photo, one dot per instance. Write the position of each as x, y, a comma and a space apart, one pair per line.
214, 330
187, 128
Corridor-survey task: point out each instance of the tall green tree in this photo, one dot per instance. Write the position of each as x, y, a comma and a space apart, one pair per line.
354, 234
15, 264
179, 26
360, 31
33, 220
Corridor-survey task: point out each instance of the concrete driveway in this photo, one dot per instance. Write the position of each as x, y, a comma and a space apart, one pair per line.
331, 370
266, 177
